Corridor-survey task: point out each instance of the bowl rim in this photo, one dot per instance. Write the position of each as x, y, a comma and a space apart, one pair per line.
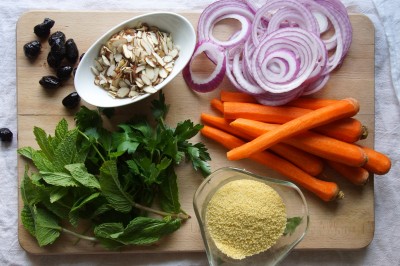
114, 102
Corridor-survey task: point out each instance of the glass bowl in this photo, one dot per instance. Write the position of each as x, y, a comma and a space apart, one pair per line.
296, 211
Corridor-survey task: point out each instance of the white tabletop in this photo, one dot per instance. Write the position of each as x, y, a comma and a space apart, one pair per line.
384, 249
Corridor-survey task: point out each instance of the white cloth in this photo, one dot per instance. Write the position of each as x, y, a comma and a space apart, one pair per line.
384, 249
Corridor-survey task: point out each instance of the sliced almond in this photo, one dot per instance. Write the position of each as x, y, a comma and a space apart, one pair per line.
149, 89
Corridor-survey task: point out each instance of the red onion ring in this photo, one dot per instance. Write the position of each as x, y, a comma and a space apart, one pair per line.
215, 78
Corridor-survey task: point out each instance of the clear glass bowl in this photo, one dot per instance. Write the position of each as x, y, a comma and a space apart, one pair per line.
293, 198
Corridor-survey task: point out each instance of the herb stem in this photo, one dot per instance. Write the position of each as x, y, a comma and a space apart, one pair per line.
94, 147
182, 216
93, 239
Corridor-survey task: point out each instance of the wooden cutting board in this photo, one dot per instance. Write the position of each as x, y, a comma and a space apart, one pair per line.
347, 224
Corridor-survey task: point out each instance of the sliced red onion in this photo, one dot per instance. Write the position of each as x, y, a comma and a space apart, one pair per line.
210, 83
286, 55
272, 6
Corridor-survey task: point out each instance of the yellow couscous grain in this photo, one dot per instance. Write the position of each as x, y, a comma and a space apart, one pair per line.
245, 217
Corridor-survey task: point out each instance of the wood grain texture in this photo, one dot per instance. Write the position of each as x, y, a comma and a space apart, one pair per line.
348, 224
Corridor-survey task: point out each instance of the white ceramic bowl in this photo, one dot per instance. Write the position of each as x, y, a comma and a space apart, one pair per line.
183, 36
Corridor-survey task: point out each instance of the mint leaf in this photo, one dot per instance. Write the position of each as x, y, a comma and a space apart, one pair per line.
140, 231
57, 193
43, 142
169, 196
81, 175
66, 152
292, 224
27, 152
112, 189
27, 219
41, 162
58, 179
78, 206
47, 229
146, 231
59, 133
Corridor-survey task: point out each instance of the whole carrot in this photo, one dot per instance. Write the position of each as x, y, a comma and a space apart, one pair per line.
325, 190
342, 109
304, 160
314, 143
356, 175
378, 163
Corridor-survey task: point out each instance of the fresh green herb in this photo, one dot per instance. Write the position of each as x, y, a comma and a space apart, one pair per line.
109, 178
292, 224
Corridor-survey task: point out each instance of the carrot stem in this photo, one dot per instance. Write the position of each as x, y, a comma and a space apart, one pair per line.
325, 190
342, 109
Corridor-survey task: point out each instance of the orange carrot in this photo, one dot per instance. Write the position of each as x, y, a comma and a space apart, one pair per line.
342, 109
356, 175
270, 114
317, 144
308, 162
302, 102
378, 163
347, 129
311, 103
217, 105
325, 190
230, 96
304, 160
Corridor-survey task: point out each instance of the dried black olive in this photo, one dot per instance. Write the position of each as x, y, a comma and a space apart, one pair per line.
72, 52
54, 60
58, 48
5, 134
43, 29
64, 72
32, 49
58, 35
72, 100
50, 82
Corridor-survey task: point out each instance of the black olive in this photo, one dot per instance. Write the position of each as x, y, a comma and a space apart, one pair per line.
58, 35
58, 48
72, 52
50, 82
72, 100
5, 134
64, 72
32, 49
43, 29
54, 60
